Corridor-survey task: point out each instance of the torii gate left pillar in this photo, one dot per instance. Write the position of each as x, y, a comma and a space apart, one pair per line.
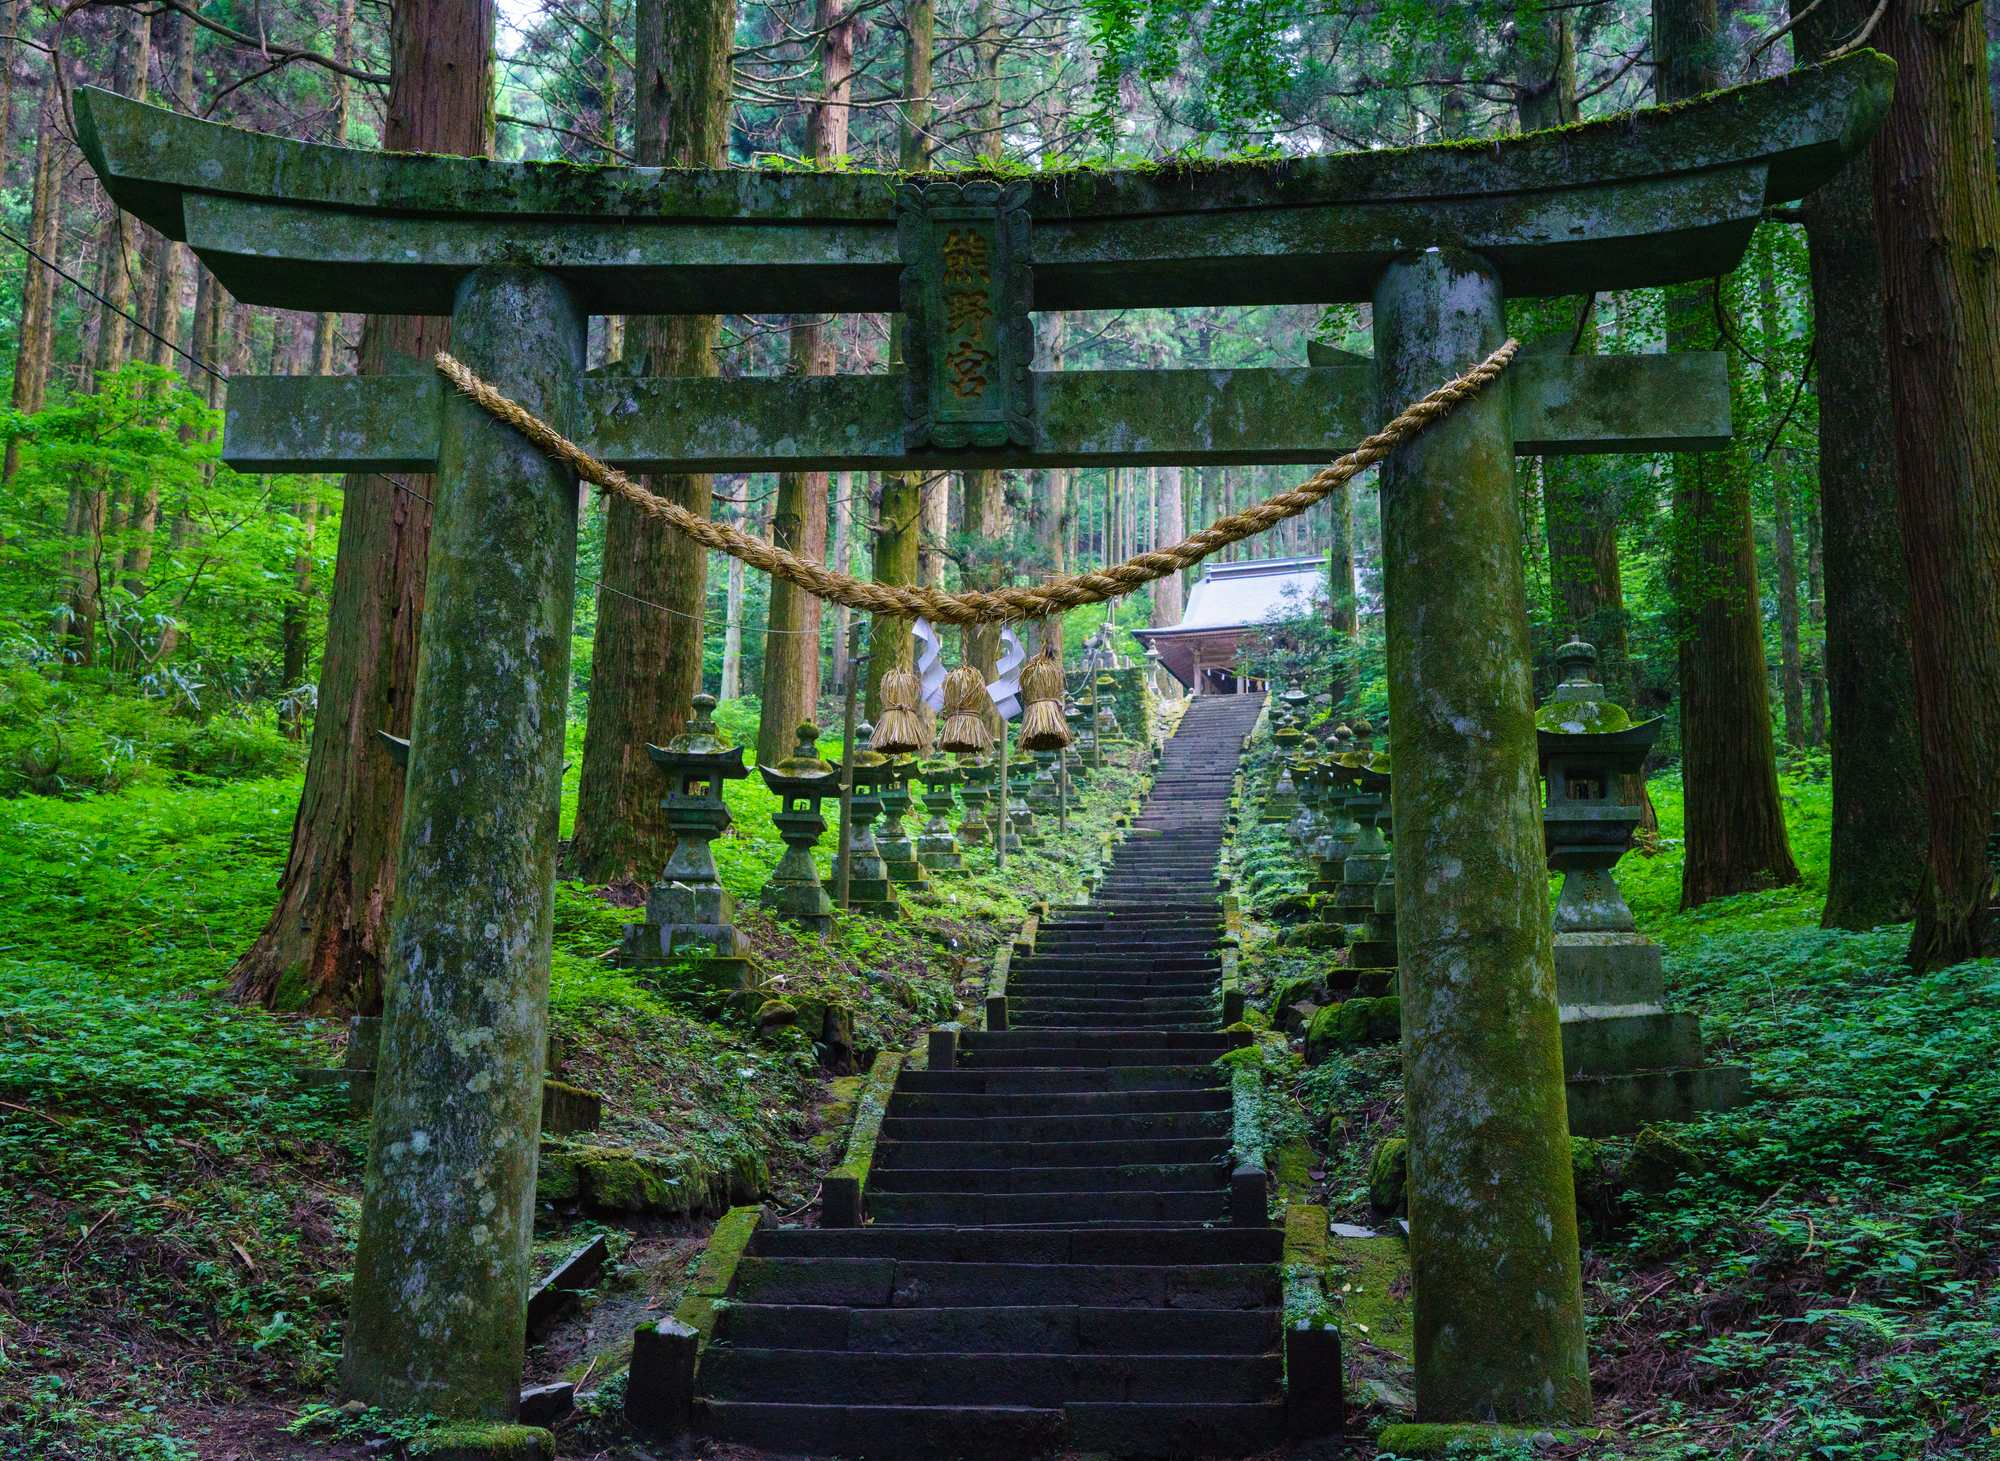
448, 1207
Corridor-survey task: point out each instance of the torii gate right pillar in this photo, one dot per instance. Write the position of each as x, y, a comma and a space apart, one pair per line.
1493, 1240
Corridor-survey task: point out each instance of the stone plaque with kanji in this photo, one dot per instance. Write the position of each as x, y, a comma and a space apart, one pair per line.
967, 287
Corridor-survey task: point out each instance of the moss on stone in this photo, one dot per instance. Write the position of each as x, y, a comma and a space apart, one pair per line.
1659, 1158
1389, 1175
485, 1443
1468, 1438
776, 1012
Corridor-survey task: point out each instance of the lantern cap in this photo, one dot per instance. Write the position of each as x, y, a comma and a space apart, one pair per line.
805, 758
701, 738
1578, 706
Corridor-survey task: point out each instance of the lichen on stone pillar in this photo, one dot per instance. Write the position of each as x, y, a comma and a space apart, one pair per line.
437, 1320
1493, 1242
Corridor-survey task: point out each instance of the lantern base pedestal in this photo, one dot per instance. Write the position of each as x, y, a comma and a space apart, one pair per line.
1627, 1059
873, 897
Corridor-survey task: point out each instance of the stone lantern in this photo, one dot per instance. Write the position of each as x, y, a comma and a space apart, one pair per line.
979, 774
899, 855
689, 914
1288, 716
869, 890
1628, 1061
1081, 741
937, 849
1306, 782
1369, 855
794, 892
1020, 817
1106, 691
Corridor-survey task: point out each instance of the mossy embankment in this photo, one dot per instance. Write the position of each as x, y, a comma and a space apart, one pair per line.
1816, 1274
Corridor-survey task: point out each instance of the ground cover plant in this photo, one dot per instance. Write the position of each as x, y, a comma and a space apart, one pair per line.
1812, 1277
177, 1214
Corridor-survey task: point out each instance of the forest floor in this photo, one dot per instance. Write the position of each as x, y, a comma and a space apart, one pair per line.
1810, 1276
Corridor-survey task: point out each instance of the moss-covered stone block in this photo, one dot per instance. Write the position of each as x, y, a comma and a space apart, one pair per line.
1659, 1158
1385, 1020
1314, 936
1389, 1175
485, 1443
776, 1012
1472, 1439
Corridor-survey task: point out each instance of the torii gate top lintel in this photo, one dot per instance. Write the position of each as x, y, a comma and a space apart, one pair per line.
1658, 196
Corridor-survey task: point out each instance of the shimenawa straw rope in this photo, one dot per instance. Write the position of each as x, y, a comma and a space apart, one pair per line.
988, 606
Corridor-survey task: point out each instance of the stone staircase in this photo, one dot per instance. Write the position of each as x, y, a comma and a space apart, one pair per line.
1049, 1260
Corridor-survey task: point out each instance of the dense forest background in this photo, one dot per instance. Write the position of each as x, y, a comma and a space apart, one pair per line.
162, 615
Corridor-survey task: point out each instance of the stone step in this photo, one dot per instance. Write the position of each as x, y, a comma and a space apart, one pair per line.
1025, 1245
915, 1432
973, 1209
1058, 998
1142, 1112
1063, 1057
805, 1376
1199, 1176
1023, 1328
1184, 1014
1117, 1154
1003, 1081
981, 1041
1164, 1126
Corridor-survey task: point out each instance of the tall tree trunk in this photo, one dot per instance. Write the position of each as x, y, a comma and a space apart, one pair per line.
1544, 68
899, 511
1735, 820
1936, 226
981, 524
119, 238
844, 488
647, 663
31, 353
732, 602
1879, 824
1791, 676
324, 945
1816, 623
988, 135
792, 639
1341, 616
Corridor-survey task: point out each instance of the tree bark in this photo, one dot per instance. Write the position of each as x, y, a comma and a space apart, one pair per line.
31, 354
1936, 227
1791, 674
324, 946
1879, 825
1735, 821
790, 693
647, 663
732, 601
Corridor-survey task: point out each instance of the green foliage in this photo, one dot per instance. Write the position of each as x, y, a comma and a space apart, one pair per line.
129, 474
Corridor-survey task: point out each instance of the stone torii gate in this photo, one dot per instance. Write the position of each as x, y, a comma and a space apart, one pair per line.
520, 254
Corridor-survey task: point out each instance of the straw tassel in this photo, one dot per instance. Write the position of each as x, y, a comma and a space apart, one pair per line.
1042, 727
964, 725
901, 728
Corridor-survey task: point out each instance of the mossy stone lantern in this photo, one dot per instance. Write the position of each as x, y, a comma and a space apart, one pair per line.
868, 887
801, 783
689, 914
937, 849
1305, 769
1105, 691
899, 854
1020, 816
1627, 1059
1369, 855
1587, 746
979, 774
1081, 740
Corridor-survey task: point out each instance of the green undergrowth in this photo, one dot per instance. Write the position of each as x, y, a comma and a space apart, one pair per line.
1811, 1277
177, 1214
